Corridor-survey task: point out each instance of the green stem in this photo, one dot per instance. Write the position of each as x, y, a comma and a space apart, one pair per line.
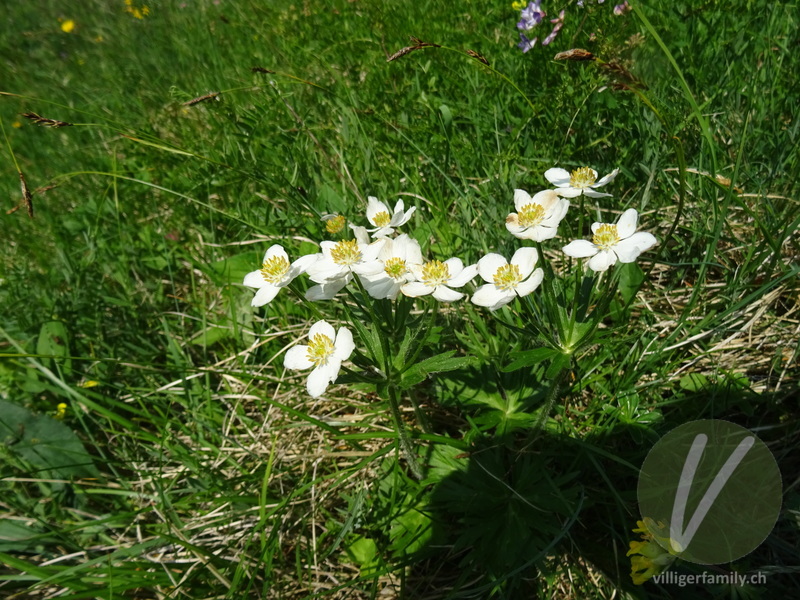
393, 396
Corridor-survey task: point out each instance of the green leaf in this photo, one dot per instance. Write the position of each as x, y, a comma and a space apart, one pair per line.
54, 341
447, 115
631, 277
560, 362
364, 552
694, 382
411, 531
233, 269
436, 364
48, 445
527, 358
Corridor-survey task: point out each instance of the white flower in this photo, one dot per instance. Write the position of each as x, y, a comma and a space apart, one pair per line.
612, 242
275, 273
436, 277
338, 261
536, 218
507, 281
397, 258
580, 181
383, 221
322, 353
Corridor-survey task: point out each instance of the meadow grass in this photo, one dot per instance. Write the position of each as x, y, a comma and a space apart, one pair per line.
188, 463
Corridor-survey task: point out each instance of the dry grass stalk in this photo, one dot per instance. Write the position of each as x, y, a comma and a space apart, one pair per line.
44, 121
576, 54
260, 70
418, 45
199, 99
477, 56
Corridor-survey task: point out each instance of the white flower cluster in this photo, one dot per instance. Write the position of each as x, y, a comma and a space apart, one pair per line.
390, 266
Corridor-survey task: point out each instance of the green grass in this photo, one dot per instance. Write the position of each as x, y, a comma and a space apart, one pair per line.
190, 464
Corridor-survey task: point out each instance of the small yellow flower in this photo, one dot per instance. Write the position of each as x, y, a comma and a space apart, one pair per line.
16, 124
652, 557
67, 26
61, 411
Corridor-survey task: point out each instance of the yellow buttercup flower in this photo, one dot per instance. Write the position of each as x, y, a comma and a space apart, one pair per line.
61, 410
67, 26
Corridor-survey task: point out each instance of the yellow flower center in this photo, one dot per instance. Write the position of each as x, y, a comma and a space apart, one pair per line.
382, 219
274, 269
395, 268
346, 252
435, 273
319, 349
531, 215
606, 237
507, 277
335, 224
582, 178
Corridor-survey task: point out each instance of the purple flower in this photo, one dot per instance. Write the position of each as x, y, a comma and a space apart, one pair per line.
531, 16
558, 24
525, 44
621, 9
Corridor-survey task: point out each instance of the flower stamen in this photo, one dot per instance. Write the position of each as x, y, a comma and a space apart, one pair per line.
274, 269
582, 178
531, 215
435, 273
382, 219
606, 237
346, 253
395, 268
507, 277
319, 349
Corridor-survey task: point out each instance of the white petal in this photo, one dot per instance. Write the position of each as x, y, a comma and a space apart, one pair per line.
361, 235
322, 328
296, 358
489, 295
521, 198
602, 260
327, 290
375, 206
556, 176
444, 294
626, 224
547, 198
525, 259
530, 284
557, 213
571, 192
380, 288
464, 276
276, 250
344, 345
302, 264
592, 194
264, 295
415, 289
629, 249
321, 377
608, 178
454, 266
404, 217
580, 249
488, 265
254, 279
541, 233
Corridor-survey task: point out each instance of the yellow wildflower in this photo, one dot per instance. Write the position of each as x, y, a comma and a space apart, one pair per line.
67, 26
652, 557
61, 410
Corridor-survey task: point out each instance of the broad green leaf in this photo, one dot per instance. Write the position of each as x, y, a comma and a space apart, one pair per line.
233, 269
54, 341
435, 364
631, 277
527, 358
48, 445
694, 382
